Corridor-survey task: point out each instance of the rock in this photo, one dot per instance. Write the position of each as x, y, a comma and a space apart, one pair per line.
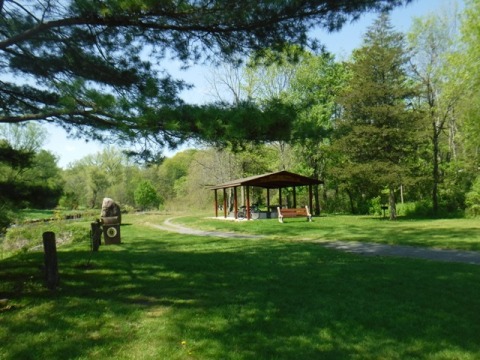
110, 209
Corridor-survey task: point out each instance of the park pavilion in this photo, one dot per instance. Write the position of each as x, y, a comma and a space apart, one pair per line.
276, 180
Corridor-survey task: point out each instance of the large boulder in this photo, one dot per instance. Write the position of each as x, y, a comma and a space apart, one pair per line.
111, 209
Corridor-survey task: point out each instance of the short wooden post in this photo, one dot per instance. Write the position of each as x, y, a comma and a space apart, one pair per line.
51, 263
96, 234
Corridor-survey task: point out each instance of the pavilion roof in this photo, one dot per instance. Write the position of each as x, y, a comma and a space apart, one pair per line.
275, 180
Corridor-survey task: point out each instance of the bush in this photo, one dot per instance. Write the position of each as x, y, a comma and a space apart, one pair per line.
146, 196
472, 199
5, 219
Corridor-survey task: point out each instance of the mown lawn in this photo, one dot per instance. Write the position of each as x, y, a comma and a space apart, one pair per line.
462, 234
161, 295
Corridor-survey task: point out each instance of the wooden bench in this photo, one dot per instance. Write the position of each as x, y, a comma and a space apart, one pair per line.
291, 213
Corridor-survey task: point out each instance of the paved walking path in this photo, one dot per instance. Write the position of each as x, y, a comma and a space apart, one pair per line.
361, 248
372, 249
169, 226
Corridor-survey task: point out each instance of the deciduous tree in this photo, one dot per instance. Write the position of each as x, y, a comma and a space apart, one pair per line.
432, 40
313, 92
146, 196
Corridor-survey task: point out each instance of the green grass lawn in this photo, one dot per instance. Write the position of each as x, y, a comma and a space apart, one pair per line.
161, 295
462, 234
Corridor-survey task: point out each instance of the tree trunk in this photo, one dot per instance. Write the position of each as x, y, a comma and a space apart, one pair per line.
316, 193
392, 203
352, 206
436, 173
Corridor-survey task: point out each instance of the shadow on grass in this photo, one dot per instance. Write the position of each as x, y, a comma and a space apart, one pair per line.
183, 297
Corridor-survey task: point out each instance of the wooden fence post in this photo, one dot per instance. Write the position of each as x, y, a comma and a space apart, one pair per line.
51, 264
96, 234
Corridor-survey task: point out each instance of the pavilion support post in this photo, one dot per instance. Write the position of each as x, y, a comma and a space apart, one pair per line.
268, 199
247, 190
225, 203
242, 196
294, 197
280, 197
235, 203
310, 197
216, 203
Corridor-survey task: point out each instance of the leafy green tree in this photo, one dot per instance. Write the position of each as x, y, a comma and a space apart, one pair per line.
466, 63
172, 173
108, 173
378, 130
313, 92
27, 137
75, 187
432, 40
472, 199
45, 179
146, 196
81, 69
97, 184
29, 176
12, 192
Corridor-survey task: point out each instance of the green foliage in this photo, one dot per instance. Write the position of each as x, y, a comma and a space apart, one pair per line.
29, 137
472, 199
108, 173
433, 40
28, 178
69, 200
146, 196
378, 135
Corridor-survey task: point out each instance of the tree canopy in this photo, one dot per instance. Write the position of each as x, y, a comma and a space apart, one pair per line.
96, 67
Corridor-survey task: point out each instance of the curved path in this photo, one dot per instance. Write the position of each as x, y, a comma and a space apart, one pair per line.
169, 226
361, 248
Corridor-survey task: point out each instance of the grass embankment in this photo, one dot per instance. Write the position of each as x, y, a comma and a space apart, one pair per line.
162, 295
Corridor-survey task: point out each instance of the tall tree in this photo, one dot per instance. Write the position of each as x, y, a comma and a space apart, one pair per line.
432, 40
314, 89
269, 74
466, 61
93, 66
378, 130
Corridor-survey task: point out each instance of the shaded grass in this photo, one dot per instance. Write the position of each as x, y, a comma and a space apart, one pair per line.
461, 234
160, 295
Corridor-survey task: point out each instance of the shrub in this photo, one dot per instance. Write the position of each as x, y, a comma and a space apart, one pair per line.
472, 199
146, 196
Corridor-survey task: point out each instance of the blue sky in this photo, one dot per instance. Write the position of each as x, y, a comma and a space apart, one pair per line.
341, 44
